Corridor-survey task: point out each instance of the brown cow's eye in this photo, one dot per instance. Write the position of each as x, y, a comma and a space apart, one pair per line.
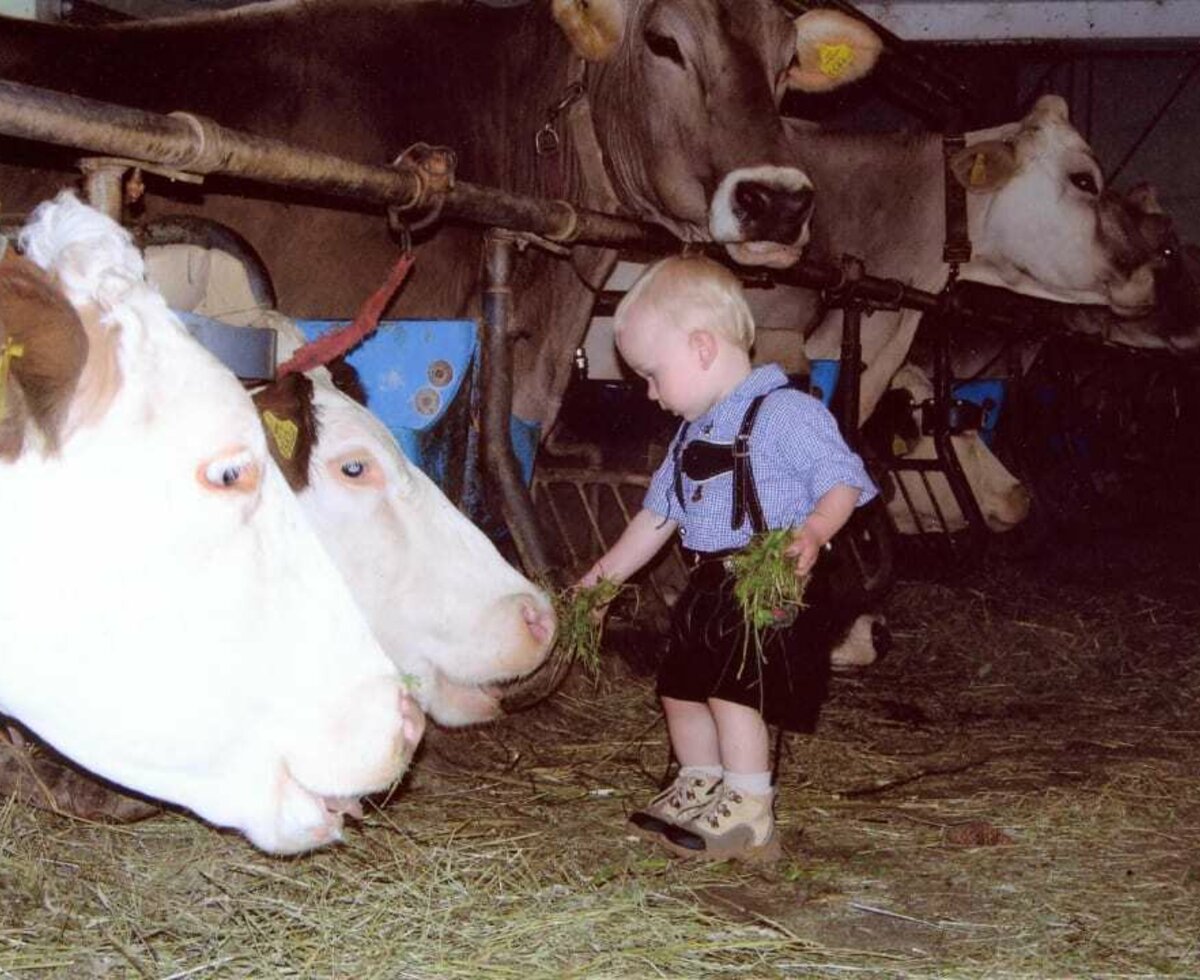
664, 46
1085, 182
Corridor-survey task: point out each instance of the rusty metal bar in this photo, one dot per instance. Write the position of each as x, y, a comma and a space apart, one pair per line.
194, 144
500, 460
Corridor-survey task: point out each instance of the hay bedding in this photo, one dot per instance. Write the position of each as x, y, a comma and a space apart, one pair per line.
1015, 792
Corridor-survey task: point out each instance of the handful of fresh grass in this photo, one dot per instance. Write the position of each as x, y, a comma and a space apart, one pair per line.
579, 626
765, 584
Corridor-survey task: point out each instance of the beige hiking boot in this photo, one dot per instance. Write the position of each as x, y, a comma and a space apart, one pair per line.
676, 804
734, 825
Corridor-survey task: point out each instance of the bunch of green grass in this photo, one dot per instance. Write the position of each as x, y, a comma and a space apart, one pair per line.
580, 622
765, 583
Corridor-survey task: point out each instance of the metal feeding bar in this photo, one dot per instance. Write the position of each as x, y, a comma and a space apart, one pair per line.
193, 144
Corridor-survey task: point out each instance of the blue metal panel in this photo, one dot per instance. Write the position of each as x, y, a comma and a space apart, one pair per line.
823, 379
988, 394
411, 369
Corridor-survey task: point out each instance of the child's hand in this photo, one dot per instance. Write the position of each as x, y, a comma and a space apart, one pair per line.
805, 548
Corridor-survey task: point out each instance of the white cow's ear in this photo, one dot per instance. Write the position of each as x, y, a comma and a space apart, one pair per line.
595, 28
832, 49
984, 167
1049, 107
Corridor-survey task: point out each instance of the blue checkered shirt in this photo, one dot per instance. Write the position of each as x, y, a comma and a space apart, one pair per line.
797, 455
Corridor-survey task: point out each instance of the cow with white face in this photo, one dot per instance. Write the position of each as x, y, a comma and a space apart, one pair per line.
169, 619
1039, 219
919, 505
456, 618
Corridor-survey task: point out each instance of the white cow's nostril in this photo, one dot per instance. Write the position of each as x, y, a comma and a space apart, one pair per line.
539, 618
412, 721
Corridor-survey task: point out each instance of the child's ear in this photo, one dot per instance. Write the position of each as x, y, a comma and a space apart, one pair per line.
704, 343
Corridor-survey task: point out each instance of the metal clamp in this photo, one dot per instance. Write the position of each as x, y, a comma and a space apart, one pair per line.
547, 141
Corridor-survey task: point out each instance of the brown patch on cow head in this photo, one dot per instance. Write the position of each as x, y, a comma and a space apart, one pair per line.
101, 377
43, 350
290, 421
346, 380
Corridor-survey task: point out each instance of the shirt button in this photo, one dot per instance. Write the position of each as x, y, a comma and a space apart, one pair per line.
683, 532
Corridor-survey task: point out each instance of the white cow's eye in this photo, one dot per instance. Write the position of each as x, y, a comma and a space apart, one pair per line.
354, 468
1085, 182
231, 471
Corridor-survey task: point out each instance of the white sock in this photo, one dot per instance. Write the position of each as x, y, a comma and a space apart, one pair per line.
709, 772
750, 783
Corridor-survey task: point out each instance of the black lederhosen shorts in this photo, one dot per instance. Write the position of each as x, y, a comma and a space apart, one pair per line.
709, 654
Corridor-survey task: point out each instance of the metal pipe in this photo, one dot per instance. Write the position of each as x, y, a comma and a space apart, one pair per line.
104, 186
182, 229
849, 384
500, 460
951, 467
194, 144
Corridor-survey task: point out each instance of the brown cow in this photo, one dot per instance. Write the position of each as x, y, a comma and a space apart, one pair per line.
678, 125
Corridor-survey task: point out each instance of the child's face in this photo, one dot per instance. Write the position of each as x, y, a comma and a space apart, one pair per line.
669, 357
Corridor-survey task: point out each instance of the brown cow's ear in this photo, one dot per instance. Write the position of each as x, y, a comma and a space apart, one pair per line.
984, 167
595, 28
289, 419
832, 49
43, 350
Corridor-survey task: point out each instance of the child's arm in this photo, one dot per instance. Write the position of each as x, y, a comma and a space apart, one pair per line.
827, 518
640, 542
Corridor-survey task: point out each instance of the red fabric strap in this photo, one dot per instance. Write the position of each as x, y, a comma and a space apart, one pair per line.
337, 342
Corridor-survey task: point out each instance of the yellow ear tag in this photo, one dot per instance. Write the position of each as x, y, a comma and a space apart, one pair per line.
978, 174
834, 59
285, 432
900, 446
8, 352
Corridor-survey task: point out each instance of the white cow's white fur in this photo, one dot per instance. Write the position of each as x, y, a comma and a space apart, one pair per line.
186, 640
452, 614
450, 611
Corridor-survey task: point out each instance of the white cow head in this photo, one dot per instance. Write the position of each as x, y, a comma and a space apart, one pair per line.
451, 612
169, 619
686, 101
454, 616
1044, 224
1002, 499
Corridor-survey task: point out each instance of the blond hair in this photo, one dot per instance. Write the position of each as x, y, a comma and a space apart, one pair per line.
681, 281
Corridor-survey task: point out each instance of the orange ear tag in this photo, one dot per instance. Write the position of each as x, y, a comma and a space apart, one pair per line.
284, 432
978, 174
8, 352
834, 59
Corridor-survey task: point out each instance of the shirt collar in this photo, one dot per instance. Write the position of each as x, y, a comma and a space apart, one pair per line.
759, 381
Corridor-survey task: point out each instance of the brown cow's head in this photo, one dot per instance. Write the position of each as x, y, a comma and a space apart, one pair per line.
687, 112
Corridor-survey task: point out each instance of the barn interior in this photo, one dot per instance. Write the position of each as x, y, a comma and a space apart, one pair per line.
1012, 789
